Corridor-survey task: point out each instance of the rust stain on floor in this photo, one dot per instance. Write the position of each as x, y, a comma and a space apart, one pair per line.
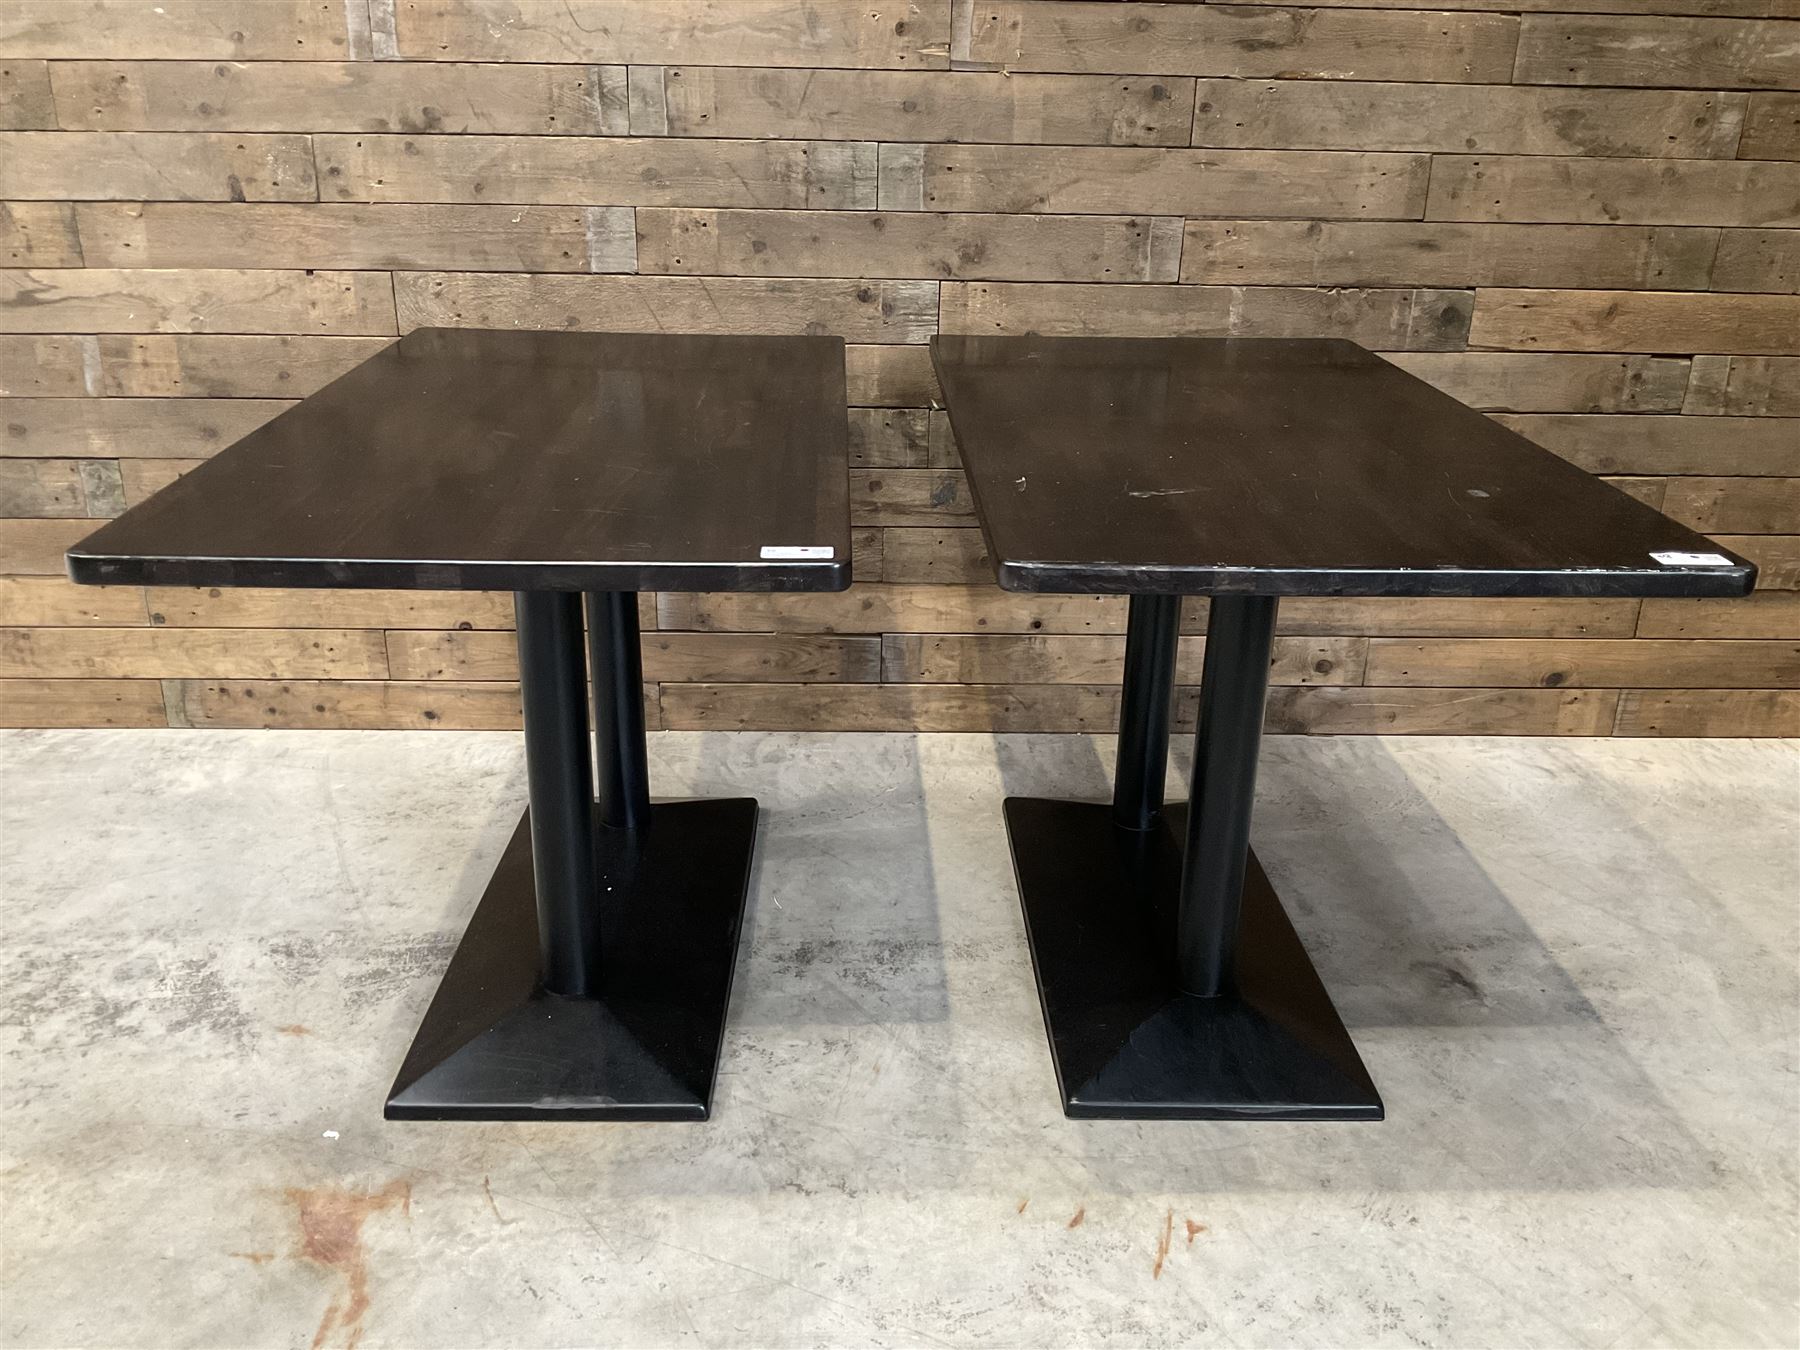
1194, 1230
1162, 1247
295, 1029
1080, 1217
1026, 1201
331, 1235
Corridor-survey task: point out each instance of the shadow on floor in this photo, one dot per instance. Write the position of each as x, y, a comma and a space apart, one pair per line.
1462, 1012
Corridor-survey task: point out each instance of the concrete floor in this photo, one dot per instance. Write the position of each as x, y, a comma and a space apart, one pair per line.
1570, 966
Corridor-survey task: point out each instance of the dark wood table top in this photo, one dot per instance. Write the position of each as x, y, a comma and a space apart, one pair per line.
462, 459
1281, 467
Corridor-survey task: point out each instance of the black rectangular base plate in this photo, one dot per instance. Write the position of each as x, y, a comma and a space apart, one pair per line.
495, 1046
1127, 1042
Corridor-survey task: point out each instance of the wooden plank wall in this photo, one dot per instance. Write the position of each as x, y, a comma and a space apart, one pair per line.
1582, 216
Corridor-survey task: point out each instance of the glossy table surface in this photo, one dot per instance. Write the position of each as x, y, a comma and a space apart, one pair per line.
1281, 467
469, 459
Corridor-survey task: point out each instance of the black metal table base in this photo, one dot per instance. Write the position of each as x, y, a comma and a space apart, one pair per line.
495, 1046
1100, 912
1173, 985
592, 982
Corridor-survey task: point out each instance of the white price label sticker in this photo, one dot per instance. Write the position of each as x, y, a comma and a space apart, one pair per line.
797, 551
1676, 558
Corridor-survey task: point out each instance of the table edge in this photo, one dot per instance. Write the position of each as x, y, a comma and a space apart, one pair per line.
1073, 578
100, 569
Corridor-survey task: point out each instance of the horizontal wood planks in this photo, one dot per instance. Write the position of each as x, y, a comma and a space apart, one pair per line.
912, 34
1094, 35
1581, 220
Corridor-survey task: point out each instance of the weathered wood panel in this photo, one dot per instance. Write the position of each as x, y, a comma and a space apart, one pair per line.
986, 609
1525, 188
597, 171
43, 488
233, 607
142, 479
1753, 9
933, 557
1457, 119
1766, 614
1745, 386
205, 30
1649, 491
102, 485
1030, 659
1529, 382
1715, 505
843, 105
1678, 52
1636, 321
81, 703
1634, 444
1086, 180
830, 175
1588, 664
889, 438
1089, 708
202, 300
942, 448
1777, 559
1459, 618
356, 237
1407, 253
1758, 260
39, 234
48, 367
26, 103
155, 166
56, 602
36, 547
890, 707
889, 377
206, 366
137, 428
1090, 35
702, 657
106, 653
1393, 320
356, 96
354, 705
1771, 127
1336, 711
875, 608
1613, 269
911, 34
909, 497
906, 244
1708, 712
866, 544
876, 311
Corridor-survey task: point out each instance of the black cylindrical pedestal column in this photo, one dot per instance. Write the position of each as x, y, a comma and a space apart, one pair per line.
552, 688
1152, 628
621, 760
1234, 684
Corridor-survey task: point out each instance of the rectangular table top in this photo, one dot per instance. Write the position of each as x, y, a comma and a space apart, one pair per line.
462, 459
1281, 467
